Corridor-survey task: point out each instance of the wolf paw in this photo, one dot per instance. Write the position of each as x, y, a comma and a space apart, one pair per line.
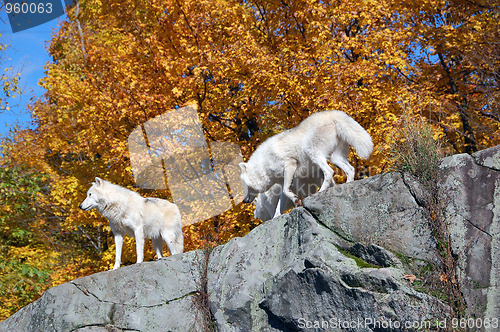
297, 202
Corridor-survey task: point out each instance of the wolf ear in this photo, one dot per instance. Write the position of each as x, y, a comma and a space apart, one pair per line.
243, 167
98, 181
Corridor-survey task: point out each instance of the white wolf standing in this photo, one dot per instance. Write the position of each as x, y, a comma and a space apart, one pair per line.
297, 151
143, 218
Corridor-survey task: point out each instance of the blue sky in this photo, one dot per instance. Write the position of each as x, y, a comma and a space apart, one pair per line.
27, 54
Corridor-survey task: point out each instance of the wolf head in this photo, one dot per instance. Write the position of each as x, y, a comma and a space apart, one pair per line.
93, 195
250, 191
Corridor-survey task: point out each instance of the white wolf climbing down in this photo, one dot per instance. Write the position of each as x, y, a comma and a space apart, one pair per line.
143, 218
298, 151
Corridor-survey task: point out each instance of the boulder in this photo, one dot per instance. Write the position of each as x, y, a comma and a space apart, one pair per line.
379, 210
289, 275
389, 210
150, 296
471, 193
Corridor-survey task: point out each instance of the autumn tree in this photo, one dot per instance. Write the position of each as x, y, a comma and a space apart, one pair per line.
20, 281
23, 271
253, 69
9, 83
460, 59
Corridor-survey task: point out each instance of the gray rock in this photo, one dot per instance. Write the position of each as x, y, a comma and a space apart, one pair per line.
471, 190
373, 254
379, 210
316, 296
488, 158
268, 249
150, 296
302, 279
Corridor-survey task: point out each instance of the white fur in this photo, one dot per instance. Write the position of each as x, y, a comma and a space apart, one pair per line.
143, 218
299, 151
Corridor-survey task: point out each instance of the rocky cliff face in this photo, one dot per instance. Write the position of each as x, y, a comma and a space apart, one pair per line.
387, 210
338, 262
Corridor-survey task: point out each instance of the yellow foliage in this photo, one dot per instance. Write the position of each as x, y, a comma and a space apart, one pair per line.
253, 68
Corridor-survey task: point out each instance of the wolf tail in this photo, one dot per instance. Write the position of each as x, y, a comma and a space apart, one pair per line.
356, 136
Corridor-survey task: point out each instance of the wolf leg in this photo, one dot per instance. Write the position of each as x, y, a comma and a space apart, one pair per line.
175, 241
347, 168
139, 244
343, 164
339, 158
277, 211
289, 173
118, 250
321, 161
284, 204
158, 246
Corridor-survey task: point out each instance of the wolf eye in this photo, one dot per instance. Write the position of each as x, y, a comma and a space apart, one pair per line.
90, 194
